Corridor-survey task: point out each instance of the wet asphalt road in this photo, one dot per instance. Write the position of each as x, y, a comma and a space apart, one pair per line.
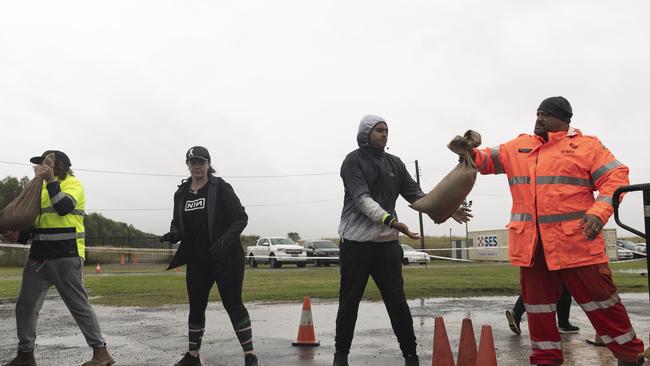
157, 336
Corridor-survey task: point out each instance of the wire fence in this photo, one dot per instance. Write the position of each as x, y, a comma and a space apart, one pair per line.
103, 250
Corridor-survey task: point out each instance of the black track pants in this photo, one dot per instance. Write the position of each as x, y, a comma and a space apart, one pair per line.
229, 278
382, 261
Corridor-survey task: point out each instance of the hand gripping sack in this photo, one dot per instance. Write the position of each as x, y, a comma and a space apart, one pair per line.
20, 214
445, 198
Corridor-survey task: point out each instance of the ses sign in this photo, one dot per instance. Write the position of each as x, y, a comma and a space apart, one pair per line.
486, 245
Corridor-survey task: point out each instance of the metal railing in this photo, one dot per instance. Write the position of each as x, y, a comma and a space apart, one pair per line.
645, 188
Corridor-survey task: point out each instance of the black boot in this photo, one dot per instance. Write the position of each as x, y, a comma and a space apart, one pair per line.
250, 360
189, 360
513, 322
411, 360
638, 362
340, 359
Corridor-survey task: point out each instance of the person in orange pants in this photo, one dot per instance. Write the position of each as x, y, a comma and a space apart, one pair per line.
555, 229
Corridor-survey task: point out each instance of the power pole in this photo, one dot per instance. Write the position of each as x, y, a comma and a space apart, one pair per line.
466, 204
417, 177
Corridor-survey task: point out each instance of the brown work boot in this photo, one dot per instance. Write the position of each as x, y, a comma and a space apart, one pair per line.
100, 358
23, 359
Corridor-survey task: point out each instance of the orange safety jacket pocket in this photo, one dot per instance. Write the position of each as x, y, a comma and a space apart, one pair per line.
574, 234
517, 249
571, 227
516, 226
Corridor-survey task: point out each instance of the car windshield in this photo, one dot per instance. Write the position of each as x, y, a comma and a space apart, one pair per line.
324, 244
407, 248
277, 241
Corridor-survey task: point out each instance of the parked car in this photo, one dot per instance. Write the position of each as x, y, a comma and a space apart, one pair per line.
276, 251
641, 247
322, 248
413, 256
624, 254
631, 246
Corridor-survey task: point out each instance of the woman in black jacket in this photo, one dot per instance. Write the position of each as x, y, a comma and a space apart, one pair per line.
208, 219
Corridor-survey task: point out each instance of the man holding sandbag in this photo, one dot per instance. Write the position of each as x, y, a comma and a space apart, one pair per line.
56, 258
555, 229
373, 179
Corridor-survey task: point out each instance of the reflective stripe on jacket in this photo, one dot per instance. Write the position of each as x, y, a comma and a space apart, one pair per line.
552, 185
59, 229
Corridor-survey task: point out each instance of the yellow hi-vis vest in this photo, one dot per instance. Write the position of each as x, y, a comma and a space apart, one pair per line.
56, 236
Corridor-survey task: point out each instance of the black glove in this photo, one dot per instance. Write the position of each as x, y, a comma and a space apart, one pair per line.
170, 237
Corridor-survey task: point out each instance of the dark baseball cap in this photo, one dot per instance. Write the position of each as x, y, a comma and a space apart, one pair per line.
58, 155
197, 152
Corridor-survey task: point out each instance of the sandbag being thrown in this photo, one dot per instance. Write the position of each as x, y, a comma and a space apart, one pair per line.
20, 214
445, 198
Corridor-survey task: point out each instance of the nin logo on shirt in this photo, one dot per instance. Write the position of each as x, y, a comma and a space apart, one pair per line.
198, 204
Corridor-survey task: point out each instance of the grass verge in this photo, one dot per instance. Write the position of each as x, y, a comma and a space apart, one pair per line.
149, 285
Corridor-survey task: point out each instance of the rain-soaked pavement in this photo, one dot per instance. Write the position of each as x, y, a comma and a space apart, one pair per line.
157, 336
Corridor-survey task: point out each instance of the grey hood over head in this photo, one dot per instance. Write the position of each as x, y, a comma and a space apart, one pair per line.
365, 126
373, 180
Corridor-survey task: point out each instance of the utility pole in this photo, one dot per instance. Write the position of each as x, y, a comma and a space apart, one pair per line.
466, 204
451, 244
417, 177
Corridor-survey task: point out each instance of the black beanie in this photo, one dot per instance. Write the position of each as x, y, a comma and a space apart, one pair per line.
558, 107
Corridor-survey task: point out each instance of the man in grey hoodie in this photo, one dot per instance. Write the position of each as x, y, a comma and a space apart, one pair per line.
373, 179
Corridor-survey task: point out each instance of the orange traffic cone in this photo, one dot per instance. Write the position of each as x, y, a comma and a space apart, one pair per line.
467, 345
98, 268
306, 336
441, 348
486, 354
122, 261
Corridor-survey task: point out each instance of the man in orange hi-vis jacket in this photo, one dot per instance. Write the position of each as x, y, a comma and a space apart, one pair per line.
555, 229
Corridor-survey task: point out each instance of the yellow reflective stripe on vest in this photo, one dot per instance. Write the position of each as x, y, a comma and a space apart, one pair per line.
604, 169
59, 196
61, 236
559, 179
548, 219
53, 210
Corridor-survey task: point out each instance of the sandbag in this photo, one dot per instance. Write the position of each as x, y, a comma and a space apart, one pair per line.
445, 198
20, 214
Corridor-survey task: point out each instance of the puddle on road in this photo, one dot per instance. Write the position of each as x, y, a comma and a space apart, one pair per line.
158, 336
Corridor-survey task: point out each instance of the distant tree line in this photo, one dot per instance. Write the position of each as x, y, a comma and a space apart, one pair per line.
10, 188
97, 226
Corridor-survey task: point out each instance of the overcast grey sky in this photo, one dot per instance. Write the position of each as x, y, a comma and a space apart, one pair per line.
278, 88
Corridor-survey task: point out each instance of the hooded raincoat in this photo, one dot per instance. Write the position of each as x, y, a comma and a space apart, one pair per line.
373, 179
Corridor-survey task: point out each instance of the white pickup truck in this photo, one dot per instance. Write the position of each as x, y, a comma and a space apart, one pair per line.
276, 251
